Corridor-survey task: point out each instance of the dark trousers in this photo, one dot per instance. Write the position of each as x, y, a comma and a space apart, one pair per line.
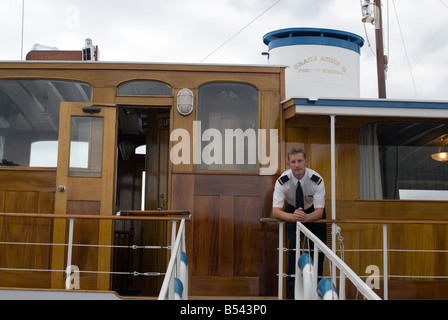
318, 229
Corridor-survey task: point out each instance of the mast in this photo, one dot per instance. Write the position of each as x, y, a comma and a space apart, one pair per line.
381, 68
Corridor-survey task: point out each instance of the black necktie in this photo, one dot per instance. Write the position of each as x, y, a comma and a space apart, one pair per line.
299, 196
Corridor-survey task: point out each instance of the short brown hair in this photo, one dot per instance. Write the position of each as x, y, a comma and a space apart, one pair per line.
296, 151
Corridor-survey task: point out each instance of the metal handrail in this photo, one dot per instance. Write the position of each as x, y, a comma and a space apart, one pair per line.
385, 250
345, 270
175, 283
381, 221
148, 215
176, 215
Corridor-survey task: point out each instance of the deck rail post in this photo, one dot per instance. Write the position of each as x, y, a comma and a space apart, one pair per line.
69, 254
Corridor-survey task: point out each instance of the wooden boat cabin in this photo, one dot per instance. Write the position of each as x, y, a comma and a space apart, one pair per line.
97, 138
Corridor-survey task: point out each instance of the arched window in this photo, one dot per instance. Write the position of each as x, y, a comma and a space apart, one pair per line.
228, 120
144, 88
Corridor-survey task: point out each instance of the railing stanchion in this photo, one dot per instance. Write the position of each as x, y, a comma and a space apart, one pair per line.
281, 228
297, 288
69, 253
168, 283
385, 267
341, 285
315, 268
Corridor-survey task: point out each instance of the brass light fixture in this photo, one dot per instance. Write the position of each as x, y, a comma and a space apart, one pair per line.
442, 153
185, 101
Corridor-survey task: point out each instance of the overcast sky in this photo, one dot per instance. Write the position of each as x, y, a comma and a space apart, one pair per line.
180, 31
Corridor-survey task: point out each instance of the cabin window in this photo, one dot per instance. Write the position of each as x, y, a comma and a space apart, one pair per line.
29, 119
44, 154
141, 149
228, 124
145, 88
396, 163
86, 146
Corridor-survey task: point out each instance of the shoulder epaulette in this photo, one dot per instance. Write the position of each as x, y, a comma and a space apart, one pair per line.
283, 179
316, 179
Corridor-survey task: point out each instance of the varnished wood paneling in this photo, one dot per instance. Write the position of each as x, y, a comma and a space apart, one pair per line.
226, 233
17, 196
88, 189
268, 240
226, 238
85, 233
247, 234
27, 179
109, 75
270, 119
347, 183
98, 199
400, 237
206, 236
182, 191
214, 184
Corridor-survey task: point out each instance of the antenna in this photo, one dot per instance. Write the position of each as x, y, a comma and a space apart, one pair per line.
381, 67
23, 22
372, 13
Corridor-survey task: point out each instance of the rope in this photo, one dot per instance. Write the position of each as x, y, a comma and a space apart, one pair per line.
133, 273
395, 250
134, 247
443, 3
241, 30
405, 50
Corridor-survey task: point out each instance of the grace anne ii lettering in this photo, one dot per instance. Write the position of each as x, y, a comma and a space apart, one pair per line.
322, 59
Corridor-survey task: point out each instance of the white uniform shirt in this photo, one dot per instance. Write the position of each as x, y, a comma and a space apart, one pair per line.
314, 193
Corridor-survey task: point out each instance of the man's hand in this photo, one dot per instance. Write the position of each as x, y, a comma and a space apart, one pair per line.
298, 215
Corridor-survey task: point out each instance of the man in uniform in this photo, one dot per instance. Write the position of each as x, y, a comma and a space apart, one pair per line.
303, 190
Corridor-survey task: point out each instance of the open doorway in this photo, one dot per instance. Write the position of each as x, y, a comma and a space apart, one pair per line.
142, 184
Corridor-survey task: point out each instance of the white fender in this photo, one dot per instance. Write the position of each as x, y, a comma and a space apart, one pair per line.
326, 290
304, 283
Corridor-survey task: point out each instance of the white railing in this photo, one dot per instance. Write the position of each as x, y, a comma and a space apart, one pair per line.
385, 249
307, 288
175, 284
344, 270
177, 265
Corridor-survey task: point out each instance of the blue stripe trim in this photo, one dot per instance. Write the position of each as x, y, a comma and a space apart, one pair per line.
313, 36
380, 103
304, 260
324, 286
183, 257
178, 287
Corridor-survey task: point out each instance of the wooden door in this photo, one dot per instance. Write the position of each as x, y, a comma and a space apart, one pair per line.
156, 197
226, 235
85, 181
